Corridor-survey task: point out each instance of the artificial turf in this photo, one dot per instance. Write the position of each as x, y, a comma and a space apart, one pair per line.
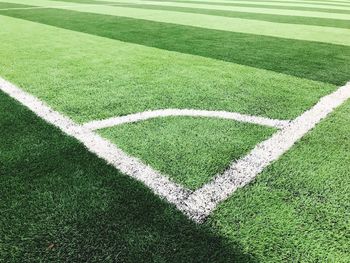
190, 150
60, 203
282, 30
88, 77
334, 9
10, 5
298, 209
255, 16
295, 57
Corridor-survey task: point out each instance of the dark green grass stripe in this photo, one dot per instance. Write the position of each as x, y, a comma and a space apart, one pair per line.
10, 5
299, 8
335, 4
246, 15
316, 2
263, 17
60, 203
329, 22
311, 60
277, 2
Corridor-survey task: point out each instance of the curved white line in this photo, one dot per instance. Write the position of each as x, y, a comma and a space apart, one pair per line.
199, 204
141, 116
205, 199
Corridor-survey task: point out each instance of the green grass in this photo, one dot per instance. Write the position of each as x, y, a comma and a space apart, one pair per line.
316, 61
339, 10
189, 150
290, 31
88, 77
10, 5
227, 13
255, 16
55, 193
298, 208
60, 203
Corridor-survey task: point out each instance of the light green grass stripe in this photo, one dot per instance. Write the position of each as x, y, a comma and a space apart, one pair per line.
252, 9
290, 31
88, 77
253, 16
326, 5
238, 9
316, 1
228, 4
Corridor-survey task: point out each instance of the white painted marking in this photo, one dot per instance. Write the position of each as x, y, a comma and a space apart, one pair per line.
240, 173
160, 184
199, 204
141, 116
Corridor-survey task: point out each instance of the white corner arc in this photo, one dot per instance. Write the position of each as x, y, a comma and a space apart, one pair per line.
199, 204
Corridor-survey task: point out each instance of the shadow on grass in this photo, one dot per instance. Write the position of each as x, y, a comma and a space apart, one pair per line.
59, 203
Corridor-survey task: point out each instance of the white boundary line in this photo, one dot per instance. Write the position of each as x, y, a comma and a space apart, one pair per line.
240, 173
101, 124
101, 147
199, 204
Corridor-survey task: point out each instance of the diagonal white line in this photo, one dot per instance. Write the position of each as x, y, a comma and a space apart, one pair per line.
199, 204
204, 200
100, 124
160, 184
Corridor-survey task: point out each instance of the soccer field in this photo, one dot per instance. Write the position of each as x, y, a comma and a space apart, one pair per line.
174, 131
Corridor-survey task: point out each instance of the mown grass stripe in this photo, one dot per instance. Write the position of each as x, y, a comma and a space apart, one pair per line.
283, 3
227, 5
255, 16
316, 1
240, 9
10, 5
326, 2
342, 14
101, 78
291, 31
330, 2
324, 62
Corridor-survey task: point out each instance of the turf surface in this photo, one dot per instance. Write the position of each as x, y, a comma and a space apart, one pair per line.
190, 150
10, 5
299, 58
60, 203
255, 16
63, 204
298, 208
290, 31
227, 5
100, 78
